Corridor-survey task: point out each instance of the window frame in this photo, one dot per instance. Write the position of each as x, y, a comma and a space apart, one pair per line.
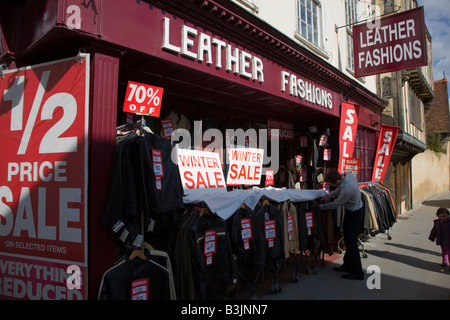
316, 37
365, 148
351, 18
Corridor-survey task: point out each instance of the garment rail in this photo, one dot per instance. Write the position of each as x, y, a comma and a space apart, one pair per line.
380, 212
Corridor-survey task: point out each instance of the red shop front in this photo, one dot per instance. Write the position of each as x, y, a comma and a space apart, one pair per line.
216, 63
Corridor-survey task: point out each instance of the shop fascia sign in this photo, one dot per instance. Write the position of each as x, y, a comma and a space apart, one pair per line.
305, 90
390, 44
202, 47
198, 46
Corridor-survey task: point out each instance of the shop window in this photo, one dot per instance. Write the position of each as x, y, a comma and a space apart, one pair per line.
250, 5
351, 12
350, 57
309, 21
415, 109
386, 87
351, 19
389, 6
364, 150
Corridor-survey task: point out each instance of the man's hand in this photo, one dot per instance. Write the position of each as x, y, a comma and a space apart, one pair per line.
324, 199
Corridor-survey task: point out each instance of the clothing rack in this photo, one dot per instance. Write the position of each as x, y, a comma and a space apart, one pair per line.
374, 216
310, 245
383, 205
138, 199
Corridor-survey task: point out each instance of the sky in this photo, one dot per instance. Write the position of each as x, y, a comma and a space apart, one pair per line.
438, 22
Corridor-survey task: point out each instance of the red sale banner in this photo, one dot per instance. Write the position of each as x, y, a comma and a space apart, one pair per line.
43, 174
143, 99
347, 133
386, 144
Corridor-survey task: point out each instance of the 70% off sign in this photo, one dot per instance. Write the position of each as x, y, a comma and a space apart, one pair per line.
143, 99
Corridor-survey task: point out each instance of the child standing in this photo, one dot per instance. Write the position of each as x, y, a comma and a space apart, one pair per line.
441, 233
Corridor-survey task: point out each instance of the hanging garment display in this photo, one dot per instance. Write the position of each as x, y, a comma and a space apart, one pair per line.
136, 279
144, 179
218, 238
290, 222
247, 239
202, 253
273, 230
248, 244
160, 258
309, 224
380, 213
183, 259
225, 204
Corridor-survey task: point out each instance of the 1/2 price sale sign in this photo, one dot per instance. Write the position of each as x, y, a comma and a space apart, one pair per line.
43, 177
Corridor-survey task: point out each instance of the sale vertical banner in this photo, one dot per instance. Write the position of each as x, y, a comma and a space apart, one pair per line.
386, 144
44, 117
347, 133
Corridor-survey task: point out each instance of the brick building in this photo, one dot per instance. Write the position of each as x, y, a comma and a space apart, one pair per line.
437, 115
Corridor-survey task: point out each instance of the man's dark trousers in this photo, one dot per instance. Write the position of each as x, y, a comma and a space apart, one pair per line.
351, 227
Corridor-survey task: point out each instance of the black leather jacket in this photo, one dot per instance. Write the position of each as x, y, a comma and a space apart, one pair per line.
133, 176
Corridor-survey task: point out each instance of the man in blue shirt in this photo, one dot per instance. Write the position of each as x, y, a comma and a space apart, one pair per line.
348, 195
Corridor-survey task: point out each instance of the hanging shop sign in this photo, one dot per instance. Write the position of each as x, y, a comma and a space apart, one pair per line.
143, 99
43, 180
303, 175
246, 166
326, 154
352, 165
270, 232
210, 246
282, 130
167, 128
303, 142
309, 222
347, 132
386, 143
299, 160
323, 140
246, 232
200, 170
269, 178
391, 43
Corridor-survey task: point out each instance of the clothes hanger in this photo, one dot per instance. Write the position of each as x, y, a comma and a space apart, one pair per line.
288, 204
206, 211
137, 253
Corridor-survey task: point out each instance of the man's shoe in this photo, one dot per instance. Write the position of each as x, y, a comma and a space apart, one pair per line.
352, 276
341, 269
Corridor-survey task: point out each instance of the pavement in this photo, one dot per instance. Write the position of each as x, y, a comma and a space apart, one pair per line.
404, 267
